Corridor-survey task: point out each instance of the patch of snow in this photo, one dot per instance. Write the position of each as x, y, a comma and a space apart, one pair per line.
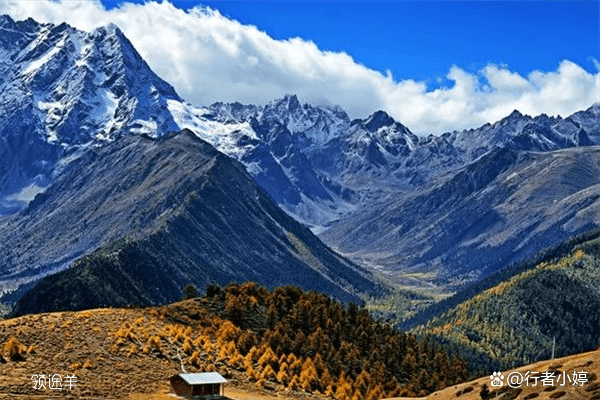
254, 168
107, 103
27, 193
317, 214
224, 137
513, 175
141, 126
36, 64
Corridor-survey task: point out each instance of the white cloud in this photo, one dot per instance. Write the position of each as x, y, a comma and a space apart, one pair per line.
208, 57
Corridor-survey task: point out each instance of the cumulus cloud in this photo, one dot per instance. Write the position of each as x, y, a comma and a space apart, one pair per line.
208, 57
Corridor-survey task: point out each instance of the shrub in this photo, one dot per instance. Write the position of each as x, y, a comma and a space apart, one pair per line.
132, 350
13, 350
190, 291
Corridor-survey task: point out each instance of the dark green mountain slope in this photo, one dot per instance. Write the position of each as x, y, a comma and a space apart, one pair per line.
516, 321
161, 214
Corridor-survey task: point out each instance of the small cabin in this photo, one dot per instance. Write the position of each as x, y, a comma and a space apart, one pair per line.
204, 385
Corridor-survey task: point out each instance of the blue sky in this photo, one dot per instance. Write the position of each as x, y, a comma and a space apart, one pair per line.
421, 40
452, 65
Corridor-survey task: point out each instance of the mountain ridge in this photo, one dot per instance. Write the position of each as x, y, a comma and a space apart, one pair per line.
535, 311
464, 225
362, 185
168, 204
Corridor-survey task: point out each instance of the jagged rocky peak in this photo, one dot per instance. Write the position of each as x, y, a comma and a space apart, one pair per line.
515, 114
512, 120
544, 119
378, 120
291, 102
231, 112
64, 89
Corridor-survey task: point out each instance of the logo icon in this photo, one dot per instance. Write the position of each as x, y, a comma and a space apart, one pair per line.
497, 379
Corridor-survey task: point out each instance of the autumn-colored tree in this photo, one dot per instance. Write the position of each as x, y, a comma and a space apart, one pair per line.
226, 351
236, 361
13, 349
330, 391
283, 376
344, 389
375, 393
246, 341
195, 359
251, 357
250, 371
228, 332
392, 387
294, 384
309, 376
268, 373
268, 357
188, 346
325, 379
208, 346
296, 367
319, 363
210, 368
291, 358
362, 382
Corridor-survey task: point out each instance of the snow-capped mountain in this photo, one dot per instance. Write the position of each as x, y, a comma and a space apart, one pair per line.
356, 182
274, 142
319, 165
62, 89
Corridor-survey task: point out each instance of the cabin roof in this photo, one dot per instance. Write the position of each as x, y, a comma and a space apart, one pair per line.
204, 378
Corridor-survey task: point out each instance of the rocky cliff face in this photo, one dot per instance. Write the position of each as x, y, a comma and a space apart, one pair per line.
63, 90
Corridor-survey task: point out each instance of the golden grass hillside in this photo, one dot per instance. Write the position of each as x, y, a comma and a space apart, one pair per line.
131, 353
116, 354
281, 341
588, 362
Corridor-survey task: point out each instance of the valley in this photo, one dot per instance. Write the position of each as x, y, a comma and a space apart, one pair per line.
299, 252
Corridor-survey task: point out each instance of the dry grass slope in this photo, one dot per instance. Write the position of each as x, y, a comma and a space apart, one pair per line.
130, 354
588, 362
115, 354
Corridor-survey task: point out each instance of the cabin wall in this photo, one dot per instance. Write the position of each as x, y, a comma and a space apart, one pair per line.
180, 387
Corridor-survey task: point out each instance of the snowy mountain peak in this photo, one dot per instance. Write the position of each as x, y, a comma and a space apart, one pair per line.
378, 120
112, 29
594, 109
291, 102
515, 115
63, 89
